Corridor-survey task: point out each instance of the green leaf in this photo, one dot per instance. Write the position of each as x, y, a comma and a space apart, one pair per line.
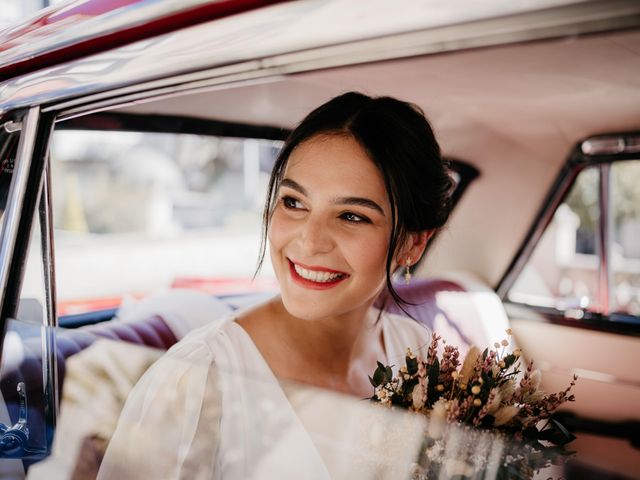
412, 365
432, 375
509, 360
567, 436
378, 376
388, 374
373, 382
485, 353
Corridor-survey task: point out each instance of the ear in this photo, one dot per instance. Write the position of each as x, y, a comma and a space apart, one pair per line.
414, 247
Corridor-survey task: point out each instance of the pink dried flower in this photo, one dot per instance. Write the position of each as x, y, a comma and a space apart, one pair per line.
433, 349
450, 362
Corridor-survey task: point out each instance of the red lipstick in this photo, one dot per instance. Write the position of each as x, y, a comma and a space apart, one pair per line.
310, 284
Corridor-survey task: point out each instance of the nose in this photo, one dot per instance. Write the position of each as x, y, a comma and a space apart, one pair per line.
315, 236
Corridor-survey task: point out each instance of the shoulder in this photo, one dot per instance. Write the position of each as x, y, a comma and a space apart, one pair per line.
202, 343
402, 332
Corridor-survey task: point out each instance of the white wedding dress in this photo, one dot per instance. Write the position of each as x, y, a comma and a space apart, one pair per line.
211, 408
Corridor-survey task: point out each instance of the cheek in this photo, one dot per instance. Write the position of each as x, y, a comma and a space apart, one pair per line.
280, 230
368, 254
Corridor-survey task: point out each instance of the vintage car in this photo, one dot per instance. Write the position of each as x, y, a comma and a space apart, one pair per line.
136, 139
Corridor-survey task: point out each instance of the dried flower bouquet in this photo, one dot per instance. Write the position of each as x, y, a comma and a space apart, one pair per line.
485, 403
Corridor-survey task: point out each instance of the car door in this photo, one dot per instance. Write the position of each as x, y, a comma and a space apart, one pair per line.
29, 394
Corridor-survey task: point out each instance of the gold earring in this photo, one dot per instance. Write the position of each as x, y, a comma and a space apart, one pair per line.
407, 271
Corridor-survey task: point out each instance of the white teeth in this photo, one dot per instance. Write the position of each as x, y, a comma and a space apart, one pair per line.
314, 276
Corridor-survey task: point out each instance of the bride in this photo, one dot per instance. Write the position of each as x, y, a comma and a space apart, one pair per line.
355, 194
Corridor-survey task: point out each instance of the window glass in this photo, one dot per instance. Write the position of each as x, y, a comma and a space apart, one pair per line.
562, 271
8, 144
625, 193
137, 212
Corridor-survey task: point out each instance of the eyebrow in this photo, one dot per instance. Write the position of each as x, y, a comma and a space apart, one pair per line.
359, 201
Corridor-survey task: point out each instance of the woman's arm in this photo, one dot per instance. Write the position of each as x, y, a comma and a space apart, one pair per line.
169, 427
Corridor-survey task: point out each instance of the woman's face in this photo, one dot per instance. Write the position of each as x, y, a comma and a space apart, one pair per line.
329, 232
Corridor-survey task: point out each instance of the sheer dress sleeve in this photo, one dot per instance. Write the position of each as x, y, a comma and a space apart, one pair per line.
170, 425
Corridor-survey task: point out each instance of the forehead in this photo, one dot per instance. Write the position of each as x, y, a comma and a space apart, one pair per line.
336, 163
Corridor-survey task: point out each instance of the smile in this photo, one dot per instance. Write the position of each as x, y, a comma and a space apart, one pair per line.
315, 277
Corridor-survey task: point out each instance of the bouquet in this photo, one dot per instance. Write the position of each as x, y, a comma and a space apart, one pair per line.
487, 417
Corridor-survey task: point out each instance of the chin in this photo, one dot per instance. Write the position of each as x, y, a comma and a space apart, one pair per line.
306, 309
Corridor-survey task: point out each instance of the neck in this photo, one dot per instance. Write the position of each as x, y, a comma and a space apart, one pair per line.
335, 343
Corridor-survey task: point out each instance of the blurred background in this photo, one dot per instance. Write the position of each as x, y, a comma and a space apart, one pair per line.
12, 11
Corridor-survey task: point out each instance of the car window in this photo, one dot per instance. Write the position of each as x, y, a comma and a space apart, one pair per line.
564, 269
136, 212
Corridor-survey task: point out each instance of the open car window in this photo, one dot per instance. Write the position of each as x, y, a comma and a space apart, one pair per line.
587, 263
136, 212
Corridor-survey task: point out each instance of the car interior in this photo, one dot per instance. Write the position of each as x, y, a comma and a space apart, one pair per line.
164, 180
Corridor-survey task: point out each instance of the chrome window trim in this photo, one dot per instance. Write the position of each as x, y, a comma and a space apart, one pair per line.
45, 213
135, 68
15, 199
603, 239
49, 350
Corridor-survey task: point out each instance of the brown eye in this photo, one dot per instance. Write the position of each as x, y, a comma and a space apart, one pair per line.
354, 218
291, 203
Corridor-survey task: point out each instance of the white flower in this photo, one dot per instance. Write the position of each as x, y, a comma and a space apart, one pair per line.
418, 396
505, 414
383, 394
437, 419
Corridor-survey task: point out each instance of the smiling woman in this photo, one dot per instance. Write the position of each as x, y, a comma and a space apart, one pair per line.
345, 209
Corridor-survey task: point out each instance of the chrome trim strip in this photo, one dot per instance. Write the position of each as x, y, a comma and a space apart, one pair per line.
13, 211
603, 239
131, 96
230, 47
49, 346
45, 213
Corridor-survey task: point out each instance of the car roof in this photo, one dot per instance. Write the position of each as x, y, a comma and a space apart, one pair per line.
75, 29
79, 28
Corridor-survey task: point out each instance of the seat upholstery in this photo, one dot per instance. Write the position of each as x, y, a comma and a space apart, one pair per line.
462, 311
